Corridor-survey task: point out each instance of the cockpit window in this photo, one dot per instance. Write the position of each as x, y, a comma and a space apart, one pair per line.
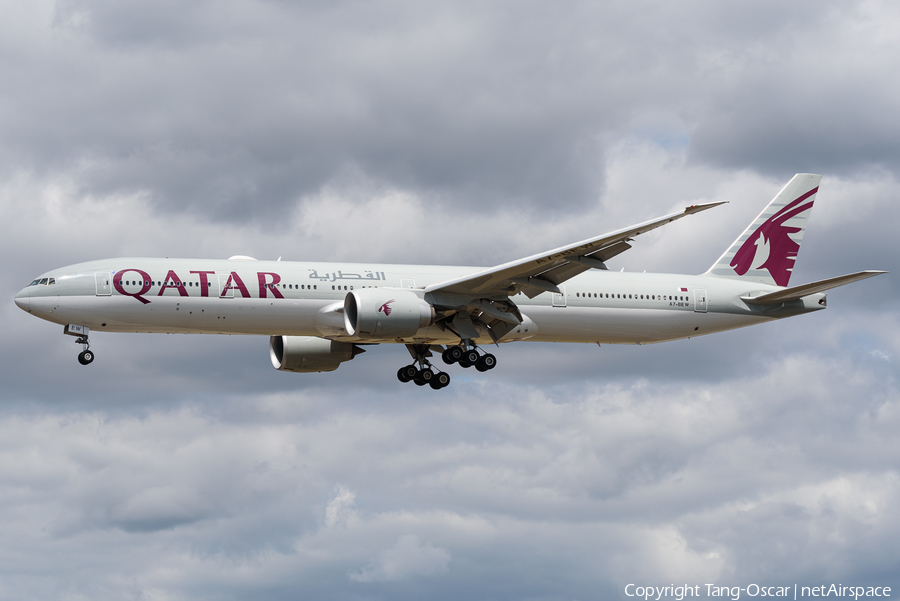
43, 281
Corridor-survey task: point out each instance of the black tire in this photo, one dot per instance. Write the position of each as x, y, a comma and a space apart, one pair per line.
420, 382
440, 380
426, 375
85, 357
409, 372
480, 366
401, 375
471, 357
445, 356
454, 353
464, 363
489, 361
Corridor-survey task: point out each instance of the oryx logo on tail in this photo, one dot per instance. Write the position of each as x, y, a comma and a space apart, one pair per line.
771, 246
767, 250
385, 308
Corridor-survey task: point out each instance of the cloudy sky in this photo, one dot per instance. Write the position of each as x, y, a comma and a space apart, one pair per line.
185, 467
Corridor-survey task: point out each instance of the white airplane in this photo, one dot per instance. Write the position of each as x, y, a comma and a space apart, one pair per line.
319, 315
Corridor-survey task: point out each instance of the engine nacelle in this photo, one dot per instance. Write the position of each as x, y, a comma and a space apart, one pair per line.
377, 313
307, 354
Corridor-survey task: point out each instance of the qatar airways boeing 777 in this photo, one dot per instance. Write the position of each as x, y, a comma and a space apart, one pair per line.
319, 315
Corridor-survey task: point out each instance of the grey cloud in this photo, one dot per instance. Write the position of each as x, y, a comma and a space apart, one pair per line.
289, 119
499, 490
792, 105
408, 558
467, 134
236, 110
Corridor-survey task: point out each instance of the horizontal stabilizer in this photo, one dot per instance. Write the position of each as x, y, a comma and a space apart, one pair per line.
789, 294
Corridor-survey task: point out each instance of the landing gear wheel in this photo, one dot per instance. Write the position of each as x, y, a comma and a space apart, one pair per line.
452, 354
470, 357
407, 373
85, 357
426, 375
486, 362
440, 380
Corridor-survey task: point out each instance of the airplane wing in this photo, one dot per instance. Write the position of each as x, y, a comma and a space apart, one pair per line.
796, 292
543, 272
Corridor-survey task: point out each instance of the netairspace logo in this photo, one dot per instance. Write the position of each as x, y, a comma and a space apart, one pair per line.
679, 593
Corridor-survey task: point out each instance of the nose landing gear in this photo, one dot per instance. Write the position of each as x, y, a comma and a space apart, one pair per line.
86, 356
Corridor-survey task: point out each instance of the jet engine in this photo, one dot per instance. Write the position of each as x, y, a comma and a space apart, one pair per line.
379, 313
307, 354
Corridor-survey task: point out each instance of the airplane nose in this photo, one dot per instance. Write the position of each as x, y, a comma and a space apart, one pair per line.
23, 300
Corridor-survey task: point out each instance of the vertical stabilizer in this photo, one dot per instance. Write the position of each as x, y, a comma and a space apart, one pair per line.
766, 251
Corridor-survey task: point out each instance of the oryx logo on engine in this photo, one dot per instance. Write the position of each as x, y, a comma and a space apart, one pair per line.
385, 308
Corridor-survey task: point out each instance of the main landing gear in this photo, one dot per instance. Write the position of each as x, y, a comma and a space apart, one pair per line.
422, 372
469, 358
424, 375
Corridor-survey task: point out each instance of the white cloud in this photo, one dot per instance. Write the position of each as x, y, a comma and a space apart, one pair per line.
340, 509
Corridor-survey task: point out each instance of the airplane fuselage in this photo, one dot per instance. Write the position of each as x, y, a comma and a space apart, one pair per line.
282, 298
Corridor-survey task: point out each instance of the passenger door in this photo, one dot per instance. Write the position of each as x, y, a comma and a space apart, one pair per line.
559, 300
103, 282
700, 301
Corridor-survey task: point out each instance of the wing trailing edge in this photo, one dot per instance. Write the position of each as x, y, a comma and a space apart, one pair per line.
545, 271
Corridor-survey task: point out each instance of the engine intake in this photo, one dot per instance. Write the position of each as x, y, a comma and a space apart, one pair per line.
380, 313
307, 354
